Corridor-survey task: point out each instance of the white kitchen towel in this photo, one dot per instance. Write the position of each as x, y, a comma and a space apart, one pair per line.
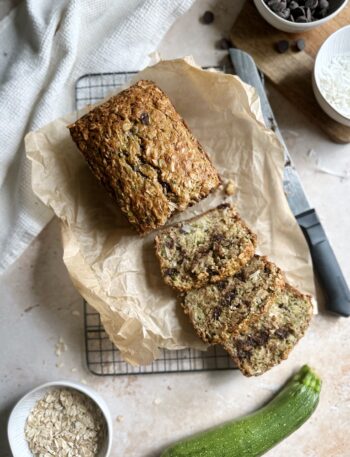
45, 46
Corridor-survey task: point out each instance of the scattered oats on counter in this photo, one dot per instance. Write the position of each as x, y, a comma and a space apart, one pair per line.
65, 423
60, 347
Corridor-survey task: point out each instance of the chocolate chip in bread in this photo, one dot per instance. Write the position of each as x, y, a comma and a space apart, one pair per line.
205, 249
264, 341
216, 310
143, 153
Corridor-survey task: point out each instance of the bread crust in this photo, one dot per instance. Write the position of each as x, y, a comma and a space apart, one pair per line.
143, 153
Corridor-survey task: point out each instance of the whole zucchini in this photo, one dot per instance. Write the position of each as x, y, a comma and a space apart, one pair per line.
255, 434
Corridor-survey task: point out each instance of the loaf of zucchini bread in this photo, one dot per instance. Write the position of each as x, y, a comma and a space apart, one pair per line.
264, 341
142, 152
216, 310
205, 249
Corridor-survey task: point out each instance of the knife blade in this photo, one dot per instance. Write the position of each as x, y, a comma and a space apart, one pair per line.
324, 260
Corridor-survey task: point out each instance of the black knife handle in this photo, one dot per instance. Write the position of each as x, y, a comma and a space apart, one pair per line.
325, 264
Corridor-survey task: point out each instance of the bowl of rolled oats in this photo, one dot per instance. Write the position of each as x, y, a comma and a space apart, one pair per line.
62, 419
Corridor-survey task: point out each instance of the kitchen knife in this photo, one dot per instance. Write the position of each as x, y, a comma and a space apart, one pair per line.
324, 260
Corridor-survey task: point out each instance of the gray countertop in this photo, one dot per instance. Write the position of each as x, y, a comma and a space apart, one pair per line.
38, 300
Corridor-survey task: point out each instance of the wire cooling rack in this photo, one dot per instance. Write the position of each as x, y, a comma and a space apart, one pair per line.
102, 357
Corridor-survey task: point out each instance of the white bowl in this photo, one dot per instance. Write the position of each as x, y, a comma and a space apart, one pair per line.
19, 414
296, 27
338, 43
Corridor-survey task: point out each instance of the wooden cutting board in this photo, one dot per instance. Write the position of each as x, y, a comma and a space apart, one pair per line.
290, 73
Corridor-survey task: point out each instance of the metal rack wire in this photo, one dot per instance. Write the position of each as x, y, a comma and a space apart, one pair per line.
102, 357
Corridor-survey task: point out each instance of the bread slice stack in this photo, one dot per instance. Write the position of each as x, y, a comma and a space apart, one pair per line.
232, 296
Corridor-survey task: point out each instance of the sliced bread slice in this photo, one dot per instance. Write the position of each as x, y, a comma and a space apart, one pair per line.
264, 341
205, 249
216, 310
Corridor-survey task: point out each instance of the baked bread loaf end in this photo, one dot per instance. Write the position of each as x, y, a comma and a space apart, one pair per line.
142, 152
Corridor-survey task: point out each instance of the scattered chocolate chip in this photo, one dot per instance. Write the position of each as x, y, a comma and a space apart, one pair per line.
224, 44
208, 18
144, 118
299, 45
282, 46
171, 272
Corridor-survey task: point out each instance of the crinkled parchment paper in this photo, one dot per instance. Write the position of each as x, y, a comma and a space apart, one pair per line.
113, 268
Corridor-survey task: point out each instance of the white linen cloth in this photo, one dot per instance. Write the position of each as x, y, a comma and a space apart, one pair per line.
45, 46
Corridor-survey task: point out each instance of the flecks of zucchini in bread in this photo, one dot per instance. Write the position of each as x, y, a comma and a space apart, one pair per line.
265, 341
204, 249
216, 310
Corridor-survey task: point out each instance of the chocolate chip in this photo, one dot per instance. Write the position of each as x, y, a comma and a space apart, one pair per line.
221, 285
312, 4
299, 45
284, 14
224, 205
208, 18
324, 4
308, 14
297, 12
282, 333
292, 5
169, 243
171, 272
322, 13
144, 118
277, 5
217, 312
211, 271
282, 46
166, 187
224, 44
227, 299
217, 237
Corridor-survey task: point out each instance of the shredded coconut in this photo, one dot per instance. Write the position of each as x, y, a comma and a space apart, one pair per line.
334, 83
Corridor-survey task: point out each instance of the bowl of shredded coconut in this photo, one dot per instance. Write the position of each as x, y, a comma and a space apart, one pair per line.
331, 76
62, 419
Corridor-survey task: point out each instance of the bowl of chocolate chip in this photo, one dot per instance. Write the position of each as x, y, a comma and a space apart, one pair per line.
296, 16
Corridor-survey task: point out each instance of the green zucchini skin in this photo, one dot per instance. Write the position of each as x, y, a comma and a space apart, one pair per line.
255, 434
